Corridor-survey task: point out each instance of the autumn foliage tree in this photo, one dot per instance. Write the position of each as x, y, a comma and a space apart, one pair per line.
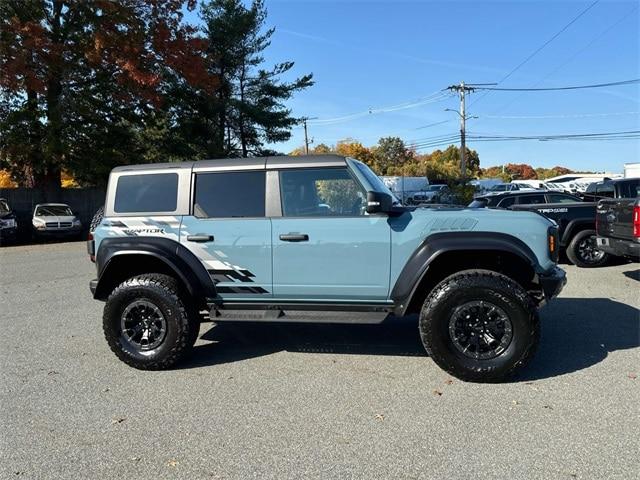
78, 78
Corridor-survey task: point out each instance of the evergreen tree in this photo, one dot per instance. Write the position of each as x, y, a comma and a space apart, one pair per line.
247, 109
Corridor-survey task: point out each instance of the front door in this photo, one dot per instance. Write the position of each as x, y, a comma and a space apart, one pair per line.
325, 247
229, 233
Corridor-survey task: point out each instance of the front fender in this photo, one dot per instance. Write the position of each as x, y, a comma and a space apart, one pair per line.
438, 243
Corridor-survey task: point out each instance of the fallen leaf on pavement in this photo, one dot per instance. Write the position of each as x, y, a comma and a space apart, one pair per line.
437, 393
118, 420
448, 382
632, 376
172, 463
379, 416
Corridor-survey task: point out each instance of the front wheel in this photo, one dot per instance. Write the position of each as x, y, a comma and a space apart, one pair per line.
583, 250
147, 324
479, 325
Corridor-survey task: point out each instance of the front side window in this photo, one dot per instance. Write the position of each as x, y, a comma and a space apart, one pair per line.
155, 192
229, 194
321, 192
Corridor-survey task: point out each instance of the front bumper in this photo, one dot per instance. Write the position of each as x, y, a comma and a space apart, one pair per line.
93, 285
552, 282
59, 232
619, 247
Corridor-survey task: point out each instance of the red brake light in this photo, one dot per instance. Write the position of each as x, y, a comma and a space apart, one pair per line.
636, 221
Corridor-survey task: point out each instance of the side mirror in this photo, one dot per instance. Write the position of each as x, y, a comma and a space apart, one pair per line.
378, 202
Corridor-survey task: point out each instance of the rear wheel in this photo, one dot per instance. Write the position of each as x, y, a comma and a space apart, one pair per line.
147, 324
479, 326
583, 250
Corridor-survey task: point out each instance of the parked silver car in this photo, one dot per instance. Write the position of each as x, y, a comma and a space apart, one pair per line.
55, 220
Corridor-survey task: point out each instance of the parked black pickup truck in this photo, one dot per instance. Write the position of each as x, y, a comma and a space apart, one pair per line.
618, 226
577, 221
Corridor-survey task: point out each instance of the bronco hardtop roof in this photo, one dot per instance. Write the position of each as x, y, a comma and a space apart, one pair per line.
241, 163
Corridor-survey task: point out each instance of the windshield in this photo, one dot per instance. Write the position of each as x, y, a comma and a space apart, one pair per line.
499, 188
375, 181
434, 188
4, 207
54, 210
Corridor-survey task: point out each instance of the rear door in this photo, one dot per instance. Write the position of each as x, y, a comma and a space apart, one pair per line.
325, 247
229, 232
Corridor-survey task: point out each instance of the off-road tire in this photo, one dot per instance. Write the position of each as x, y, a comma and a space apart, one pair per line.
97, 218
574, 255
181, 325
473, 286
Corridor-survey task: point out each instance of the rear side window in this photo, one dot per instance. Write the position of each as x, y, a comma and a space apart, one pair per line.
629, 189
229, 194
559, 198
531, 200
507, 202
155, 192
605, 190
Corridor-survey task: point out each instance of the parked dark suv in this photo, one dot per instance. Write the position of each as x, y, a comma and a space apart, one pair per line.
508, 199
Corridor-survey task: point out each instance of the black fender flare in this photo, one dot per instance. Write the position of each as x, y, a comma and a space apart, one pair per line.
438, 243
574, 226
186, 266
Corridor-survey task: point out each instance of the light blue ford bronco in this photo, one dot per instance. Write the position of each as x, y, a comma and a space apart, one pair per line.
314, 239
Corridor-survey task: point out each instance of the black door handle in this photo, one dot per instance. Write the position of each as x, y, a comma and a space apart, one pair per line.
294, 237
200, 238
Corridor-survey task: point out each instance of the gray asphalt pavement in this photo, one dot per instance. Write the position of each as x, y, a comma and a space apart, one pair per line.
291, 402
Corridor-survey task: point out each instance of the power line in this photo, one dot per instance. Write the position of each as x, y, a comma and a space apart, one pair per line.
576, 115
575, 19
577, 53
432, 98
572, 87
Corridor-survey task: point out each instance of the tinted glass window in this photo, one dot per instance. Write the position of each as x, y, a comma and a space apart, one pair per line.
53, 210
507, 202
322, 191
157, 192
559, 198
229, 194
605, 191
531, 199
629, 189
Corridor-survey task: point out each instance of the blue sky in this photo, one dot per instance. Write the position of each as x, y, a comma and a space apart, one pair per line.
368, 55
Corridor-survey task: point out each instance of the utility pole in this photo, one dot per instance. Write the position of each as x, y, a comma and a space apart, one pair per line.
306, 137
462, 89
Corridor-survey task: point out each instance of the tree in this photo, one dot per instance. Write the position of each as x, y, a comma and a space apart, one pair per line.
520, 171
354, 149
75, 72
390, 154
247, 110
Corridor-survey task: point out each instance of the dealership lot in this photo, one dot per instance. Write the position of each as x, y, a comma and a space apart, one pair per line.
265, 401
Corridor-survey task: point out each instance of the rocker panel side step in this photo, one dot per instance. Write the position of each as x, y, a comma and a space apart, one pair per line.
298, 316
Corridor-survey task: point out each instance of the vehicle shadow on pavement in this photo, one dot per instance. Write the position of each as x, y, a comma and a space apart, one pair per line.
234, 341
632, 274
577, 333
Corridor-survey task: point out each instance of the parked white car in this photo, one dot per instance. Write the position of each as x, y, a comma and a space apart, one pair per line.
55, 220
